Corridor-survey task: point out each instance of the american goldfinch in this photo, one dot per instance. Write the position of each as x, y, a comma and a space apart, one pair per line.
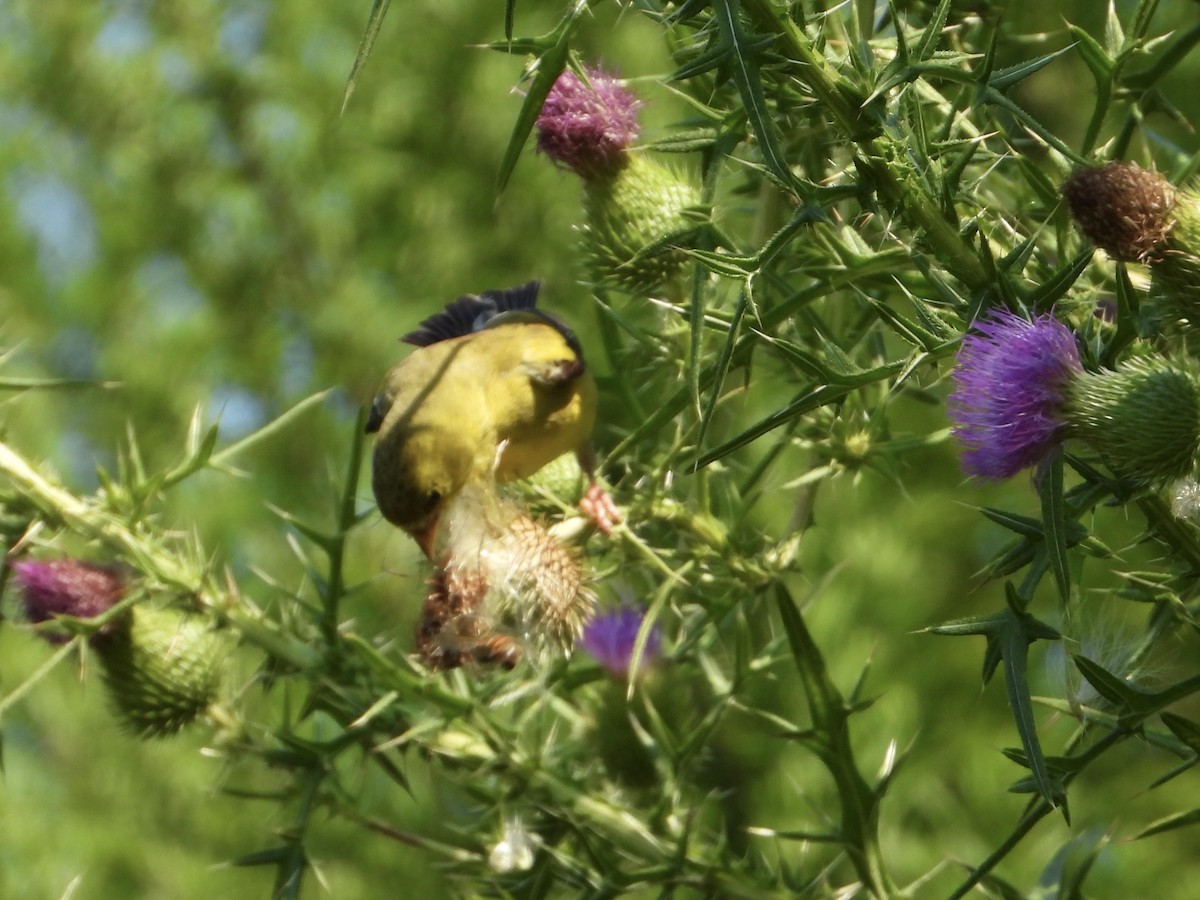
495, 390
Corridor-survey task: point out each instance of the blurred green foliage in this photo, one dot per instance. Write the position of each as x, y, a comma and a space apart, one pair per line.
190, 225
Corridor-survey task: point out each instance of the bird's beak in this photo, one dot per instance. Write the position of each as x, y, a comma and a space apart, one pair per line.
426, 538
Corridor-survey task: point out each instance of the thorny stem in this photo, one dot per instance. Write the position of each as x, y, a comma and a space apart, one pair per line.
829, 739
949, 246
830, 735
1037, 810
171, 570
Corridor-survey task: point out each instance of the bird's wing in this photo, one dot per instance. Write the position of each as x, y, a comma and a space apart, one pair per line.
472, 312
379, 410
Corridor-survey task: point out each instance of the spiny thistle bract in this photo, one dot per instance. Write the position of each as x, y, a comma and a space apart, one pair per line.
1144, 418
562, 481
163, 670
1177, 269
636, 223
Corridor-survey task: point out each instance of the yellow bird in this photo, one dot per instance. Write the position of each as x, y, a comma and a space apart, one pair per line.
496, 389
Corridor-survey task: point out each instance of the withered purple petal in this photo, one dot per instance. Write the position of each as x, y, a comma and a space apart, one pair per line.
587, 126
610, 637
66, 587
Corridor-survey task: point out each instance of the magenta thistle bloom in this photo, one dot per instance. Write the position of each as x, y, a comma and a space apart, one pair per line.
609, 638
66, 587
587, 126
1011, 387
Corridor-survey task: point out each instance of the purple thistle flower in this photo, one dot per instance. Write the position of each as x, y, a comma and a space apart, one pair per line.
609, 638
1011, 386
66, 587
587, 126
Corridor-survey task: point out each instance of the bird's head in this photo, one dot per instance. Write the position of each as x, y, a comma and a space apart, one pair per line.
415, 476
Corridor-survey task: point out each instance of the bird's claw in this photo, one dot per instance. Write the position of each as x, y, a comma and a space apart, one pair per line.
598, 506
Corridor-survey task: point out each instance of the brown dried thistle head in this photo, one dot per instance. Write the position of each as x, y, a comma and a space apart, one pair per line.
1123, 209
505, 584
539, 583
455, 628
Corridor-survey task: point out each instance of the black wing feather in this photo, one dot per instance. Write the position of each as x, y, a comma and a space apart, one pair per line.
472, 312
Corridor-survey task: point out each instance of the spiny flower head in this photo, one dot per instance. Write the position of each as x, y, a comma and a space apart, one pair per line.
456, 627
1122, 208
506, 585
162, 670
1136, 215
66, 587
539, 583
588, 125
1011, 382
1020, 390
610, 639
1176, 269
640, 215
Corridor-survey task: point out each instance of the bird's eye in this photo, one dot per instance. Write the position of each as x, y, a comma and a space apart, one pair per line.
432, 499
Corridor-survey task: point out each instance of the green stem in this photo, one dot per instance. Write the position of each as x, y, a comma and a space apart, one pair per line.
336, 549
611, 339
829, 738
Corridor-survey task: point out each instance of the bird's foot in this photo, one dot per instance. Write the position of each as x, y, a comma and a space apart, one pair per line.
598, 506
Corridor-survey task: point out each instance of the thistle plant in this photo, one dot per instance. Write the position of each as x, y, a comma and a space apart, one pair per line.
1136, 215
162, 670
638, 213
834, 268
1021, 390
613, 639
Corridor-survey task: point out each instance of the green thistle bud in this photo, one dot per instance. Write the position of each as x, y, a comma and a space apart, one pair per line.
162, 671
636, 222
563, 480
1143, 418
